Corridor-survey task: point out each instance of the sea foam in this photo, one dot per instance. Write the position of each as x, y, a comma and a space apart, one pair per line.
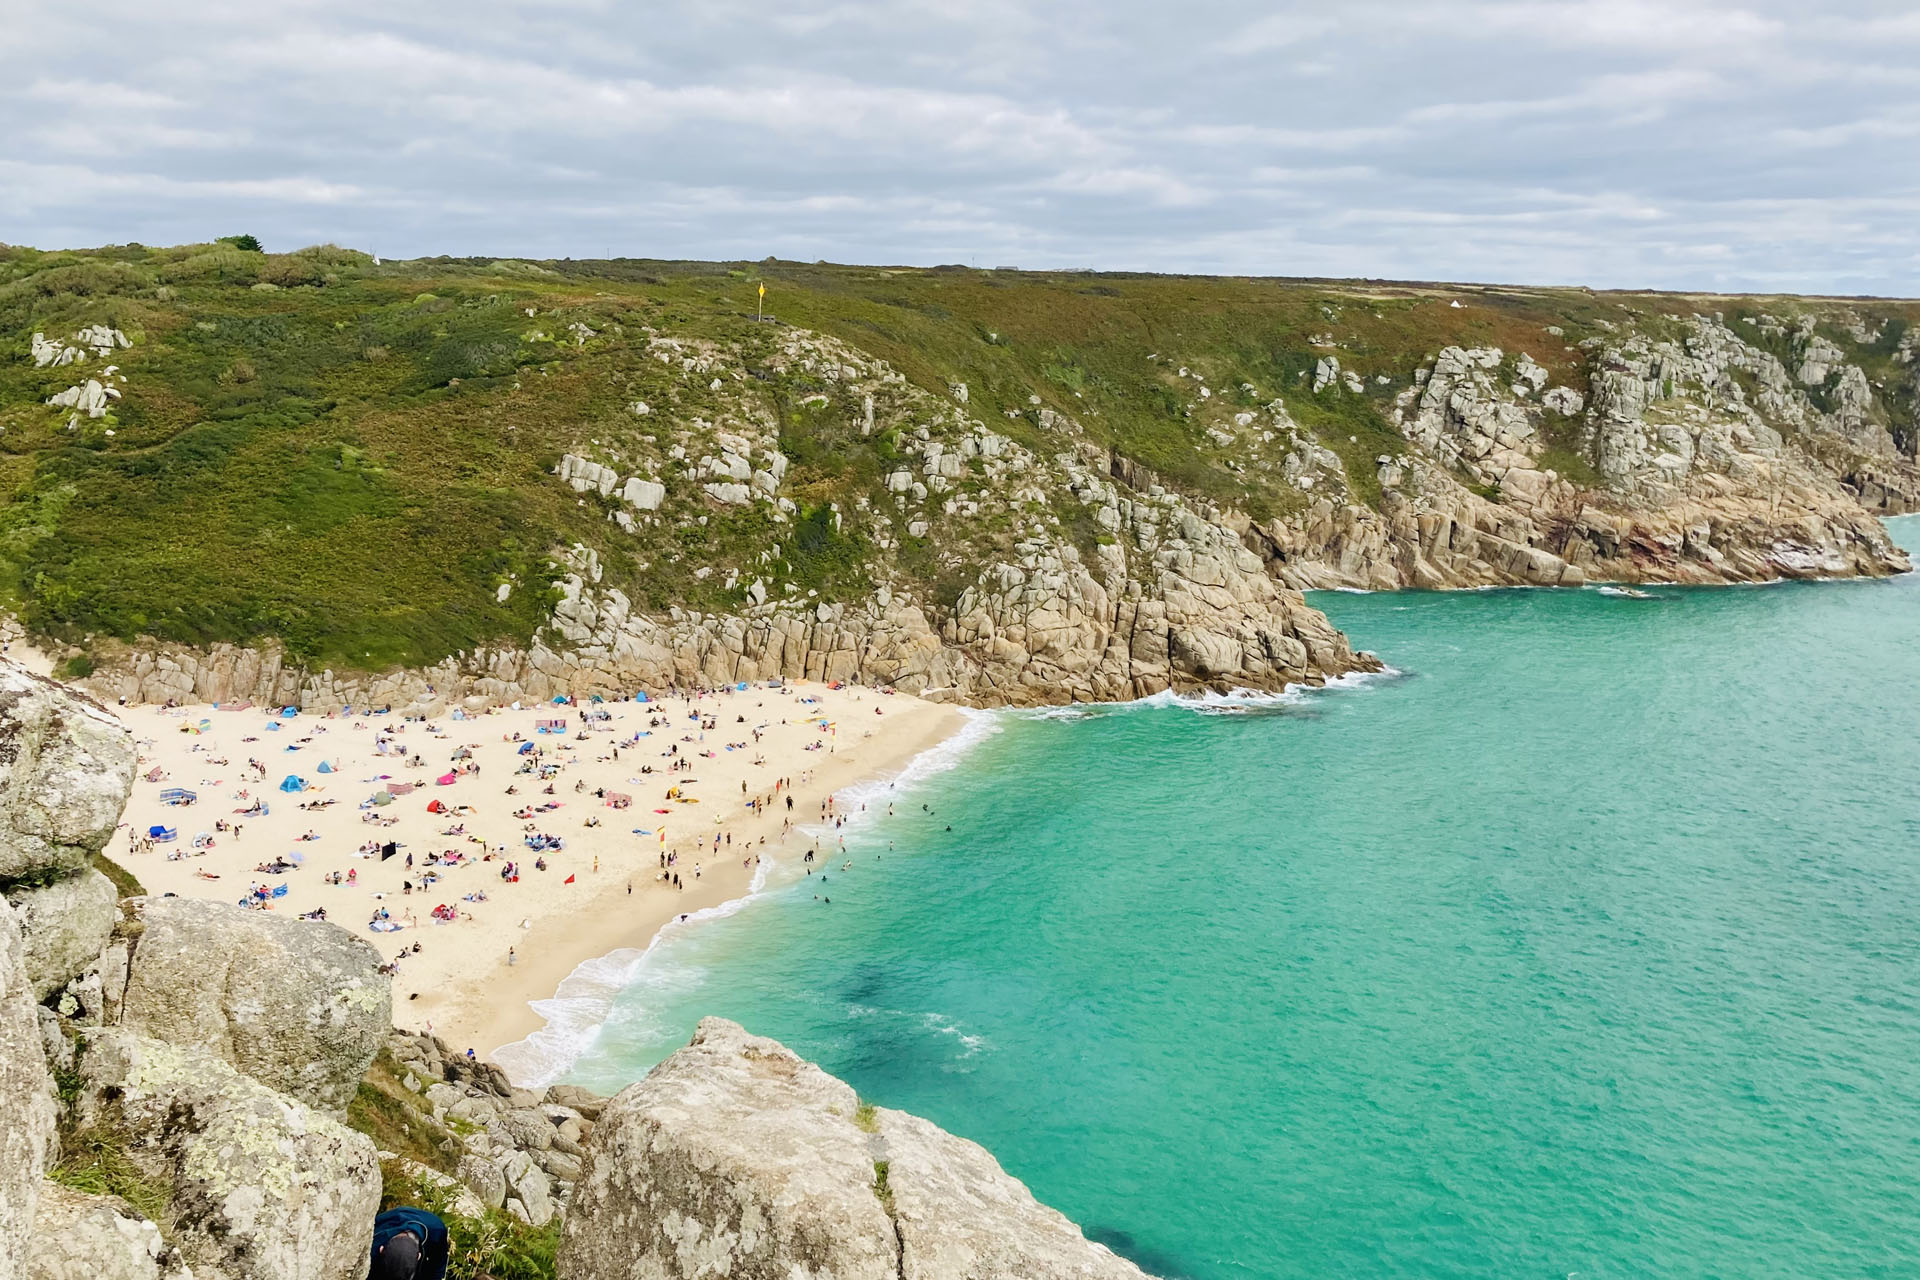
576, 1014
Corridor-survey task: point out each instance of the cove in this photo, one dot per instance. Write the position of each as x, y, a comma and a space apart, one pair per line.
1584, 944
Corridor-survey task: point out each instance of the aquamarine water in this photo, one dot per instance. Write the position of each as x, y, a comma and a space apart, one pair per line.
1587, 946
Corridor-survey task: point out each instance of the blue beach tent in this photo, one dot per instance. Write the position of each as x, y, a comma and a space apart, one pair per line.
162, 834
324, 768
293, 782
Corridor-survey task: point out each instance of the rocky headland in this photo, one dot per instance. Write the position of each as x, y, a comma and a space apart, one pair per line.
995, 488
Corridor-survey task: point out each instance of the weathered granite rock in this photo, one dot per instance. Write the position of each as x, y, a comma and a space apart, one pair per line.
461, 1198
960, 1215
529, 1194
735, 1157
584, 1101
263, 1187
484, 1179
64, 925
66, 769
299, 1005
27, 1118
83, 1237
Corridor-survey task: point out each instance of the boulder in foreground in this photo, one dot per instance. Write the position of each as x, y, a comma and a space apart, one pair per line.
83, 1237
27, 1117
66, 768
260, 1187
735, 1157
299, 1005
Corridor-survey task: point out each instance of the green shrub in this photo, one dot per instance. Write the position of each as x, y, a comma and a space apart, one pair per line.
125, 883
494, 1246
392, 1115
96, 1163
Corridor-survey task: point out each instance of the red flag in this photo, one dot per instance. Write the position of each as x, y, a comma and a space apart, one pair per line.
568, 880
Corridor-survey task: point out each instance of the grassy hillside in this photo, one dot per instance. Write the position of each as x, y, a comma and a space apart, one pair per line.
352, 457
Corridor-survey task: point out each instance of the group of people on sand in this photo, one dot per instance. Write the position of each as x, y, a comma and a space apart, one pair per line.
677, 736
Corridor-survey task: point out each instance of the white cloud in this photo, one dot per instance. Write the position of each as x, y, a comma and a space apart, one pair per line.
1627, 142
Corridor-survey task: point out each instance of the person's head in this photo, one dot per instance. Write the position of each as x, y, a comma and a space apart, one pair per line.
398, 1259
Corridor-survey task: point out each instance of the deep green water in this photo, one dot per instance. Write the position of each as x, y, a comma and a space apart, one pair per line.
1586, 946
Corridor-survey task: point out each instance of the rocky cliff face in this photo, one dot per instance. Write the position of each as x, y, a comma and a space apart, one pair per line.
1712, 462
1157, 592
1675, 448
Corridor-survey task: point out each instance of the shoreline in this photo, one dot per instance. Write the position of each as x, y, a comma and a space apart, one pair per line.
569, 1019
565, 1029
504, 943
601, 935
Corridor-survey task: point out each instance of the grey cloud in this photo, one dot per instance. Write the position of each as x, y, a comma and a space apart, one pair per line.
1760, 145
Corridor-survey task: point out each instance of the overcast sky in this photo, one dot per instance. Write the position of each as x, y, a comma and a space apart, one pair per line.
1769, 145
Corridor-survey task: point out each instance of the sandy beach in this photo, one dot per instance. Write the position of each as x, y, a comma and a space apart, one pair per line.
459, 800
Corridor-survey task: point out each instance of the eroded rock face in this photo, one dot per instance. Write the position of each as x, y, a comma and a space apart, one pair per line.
299, 1005
959, 1214
263, 1188
64, 925
735, 1157
66, 768
27, 1117
83, 1237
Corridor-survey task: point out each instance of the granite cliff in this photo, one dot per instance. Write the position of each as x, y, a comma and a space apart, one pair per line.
310, 478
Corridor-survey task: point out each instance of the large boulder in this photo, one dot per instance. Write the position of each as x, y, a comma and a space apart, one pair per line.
960, 1216
83, 1237
299, 1005
262, 1187
65, 926
66, 768
735, 1157
27, 1113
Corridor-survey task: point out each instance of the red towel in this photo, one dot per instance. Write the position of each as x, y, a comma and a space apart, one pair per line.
568, 880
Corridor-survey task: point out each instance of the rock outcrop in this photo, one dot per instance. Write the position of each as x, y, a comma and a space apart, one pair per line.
65, 926
735, 1157
86, 1237
66, 768
27, 1118
262, 1187
1697, 482
299, 1005
520, 1149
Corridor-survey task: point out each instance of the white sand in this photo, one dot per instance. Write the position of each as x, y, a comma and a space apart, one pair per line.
460, 983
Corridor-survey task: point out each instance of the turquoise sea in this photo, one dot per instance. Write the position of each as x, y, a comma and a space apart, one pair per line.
1586, 945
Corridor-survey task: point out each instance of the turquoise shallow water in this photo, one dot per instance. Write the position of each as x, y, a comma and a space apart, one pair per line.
1586, 946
